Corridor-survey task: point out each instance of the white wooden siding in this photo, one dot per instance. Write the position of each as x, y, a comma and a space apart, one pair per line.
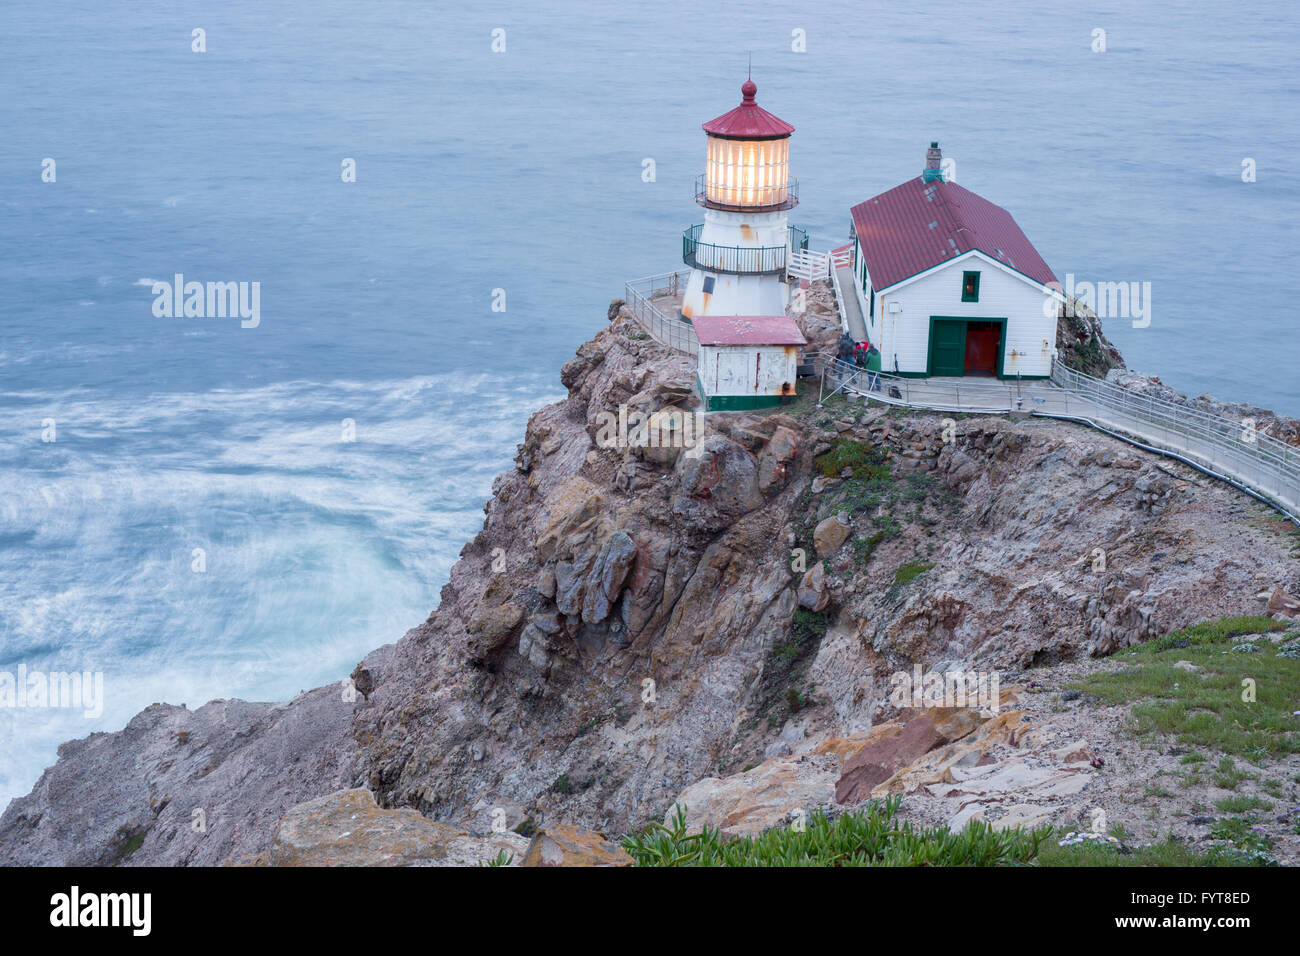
906, 335
747, 369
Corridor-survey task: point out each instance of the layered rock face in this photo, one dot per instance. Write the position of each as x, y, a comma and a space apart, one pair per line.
628, 676
348, 828
596, 637
632, 620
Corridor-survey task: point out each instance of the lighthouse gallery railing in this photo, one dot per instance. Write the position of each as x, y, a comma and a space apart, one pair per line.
738, 260
730, 198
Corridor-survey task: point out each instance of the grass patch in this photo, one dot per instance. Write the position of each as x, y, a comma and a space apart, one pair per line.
1214, 632
868, 837
909, 572
1242, 804
1168, 852
125, 842
863, 460
1228, 777
1241, 832
1206, 709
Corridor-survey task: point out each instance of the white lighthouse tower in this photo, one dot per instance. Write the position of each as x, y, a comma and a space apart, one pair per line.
738, 255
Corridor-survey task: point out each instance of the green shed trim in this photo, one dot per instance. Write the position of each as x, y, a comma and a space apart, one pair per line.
736, 403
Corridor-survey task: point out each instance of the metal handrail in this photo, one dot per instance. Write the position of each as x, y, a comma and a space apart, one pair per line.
1220, 445
667, 330
1261, 462
889, 388
703, 188
739, 260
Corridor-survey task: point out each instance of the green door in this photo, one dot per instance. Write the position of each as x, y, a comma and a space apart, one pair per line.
947, 347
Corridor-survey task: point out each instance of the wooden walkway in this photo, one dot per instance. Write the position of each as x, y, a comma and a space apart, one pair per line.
845, 293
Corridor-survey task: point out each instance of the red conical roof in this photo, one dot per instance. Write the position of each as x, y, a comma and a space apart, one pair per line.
748, 120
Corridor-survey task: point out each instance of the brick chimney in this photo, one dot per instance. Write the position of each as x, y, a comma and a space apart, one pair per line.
933, 160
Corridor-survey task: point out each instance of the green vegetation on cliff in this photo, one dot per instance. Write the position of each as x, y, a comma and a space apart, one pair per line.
1208, 689
872, 836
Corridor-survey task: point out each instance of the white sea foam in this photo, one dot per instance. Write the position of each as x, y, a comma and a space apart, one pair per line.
314, 551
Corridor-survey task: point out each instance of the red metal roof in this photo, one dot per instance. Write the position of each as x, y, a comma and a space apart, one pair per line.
748, 120
918, 225
747, 330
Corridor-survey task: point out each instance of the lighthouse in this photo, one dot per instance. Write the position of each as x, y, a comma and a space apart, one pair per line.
739, 254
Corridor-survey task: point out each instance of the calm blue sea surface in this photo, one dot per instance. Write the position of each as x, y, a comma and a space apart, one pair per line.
521, 171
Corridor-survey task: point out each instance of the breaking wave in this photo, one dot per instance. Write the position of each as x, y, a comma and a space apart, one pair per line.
231, 543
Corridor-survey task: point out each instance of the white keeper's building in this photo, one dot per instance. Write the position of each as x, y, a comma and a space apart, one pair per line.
949, 285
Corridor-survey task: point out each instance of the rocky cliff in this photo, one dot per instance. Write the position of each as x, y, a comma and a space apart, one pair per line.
632, 620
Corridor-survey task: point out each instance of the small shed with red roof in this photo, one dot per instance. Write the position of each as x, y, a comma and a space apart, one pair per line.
746, 361
949, 284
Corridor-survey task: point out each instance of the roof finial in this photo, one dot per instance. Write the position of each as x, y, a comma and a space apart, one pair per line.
748, 89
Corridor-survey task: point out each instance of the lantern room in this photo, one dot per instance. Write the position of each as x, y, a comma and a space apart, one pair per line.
748, 161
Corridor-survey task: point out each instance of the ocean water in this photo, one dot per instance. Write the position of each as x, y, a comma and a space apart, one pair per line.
510, 178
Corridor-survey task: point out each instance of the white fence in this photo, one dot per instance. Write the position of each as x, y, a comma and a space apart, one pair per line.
809, 266
663, 328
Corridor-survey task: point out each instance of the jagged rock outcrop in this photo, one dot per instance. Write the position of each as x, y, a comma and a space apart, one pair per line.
1281, 604
958, 764
1081, 344
816, 313
348, 828
573, 846
180, 787
630, 621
